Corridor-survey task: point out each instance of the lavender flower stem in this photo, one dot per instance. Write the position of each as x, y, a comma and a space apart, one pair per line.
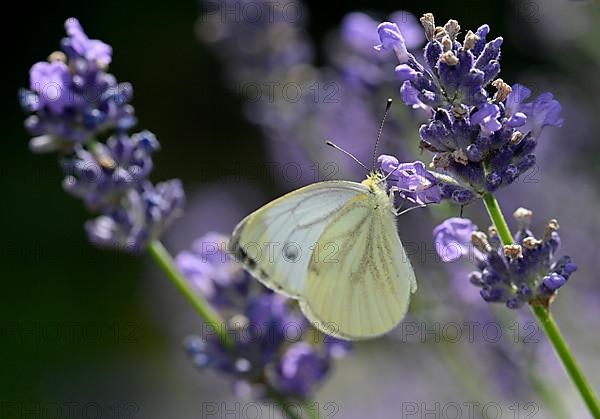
495, 213
164, 259
566, 356
209, 315
546, 320
286, 407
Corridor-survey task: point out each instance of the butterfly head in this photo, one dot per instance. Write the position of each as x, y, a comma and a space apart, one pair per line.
375, 181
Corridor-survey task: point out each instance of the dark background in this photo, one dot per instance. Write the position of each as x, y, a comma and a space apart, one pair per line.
79, 324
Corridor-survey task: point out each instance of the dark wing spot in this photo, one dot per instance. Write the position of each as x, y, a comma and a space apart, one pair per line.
291, 252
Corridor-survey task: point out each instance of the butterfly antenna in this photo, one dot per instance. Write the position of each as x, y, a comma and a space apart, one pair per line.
347, 153
387, 108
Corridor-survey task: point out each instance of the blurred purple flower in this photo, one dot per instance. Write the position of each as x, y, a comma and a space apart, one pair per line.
72, 97
51, 81
79, 44
453, 238
75, 103
267, 329
301, 367
411, 29
211, 271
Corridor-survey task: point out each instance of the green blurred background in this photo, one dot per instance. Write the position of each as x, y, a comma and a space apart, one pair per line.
89, 327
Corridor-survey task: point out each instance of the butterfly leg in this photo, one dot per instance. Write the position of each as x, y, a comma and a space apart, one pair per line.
392, 196
400, 211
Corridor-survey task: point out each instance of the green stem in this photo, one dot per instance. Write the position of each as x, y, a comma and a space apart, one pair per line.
313, 412
495, 213
203, 308
286, 407
163, 258
544, 317
566, 356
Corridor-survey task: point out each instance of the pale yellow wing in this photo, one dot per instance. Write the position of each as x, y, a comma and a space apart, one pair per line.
363, 290
276, 242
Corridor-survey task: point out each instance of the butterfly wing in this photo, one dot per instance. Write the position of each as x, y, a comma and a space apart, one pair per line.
276, 242
363, 289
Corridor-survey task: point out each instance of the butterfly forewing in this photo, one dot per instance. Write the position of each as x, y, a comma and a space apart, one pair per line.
276, 242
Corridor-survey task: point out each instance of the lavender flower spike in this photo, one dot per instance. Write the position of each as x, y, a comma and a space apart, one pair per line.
268, 353
515, 274
75, 105
72, 98
482, 141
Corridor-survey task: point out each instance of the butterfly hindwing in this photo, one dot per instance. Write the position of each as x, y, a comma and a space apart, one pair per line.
364, 290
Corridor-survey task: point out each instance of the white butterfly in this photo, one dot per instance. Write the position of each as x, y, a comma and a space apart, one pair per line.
334, 247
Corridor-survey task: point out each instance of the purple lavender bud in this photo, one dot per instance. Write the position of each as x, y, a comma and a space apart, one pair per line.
493, 295
462, 196
554, 281
482, 33
492, 181
267, 330
510, 174
514, 303
491, 52
432, 54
